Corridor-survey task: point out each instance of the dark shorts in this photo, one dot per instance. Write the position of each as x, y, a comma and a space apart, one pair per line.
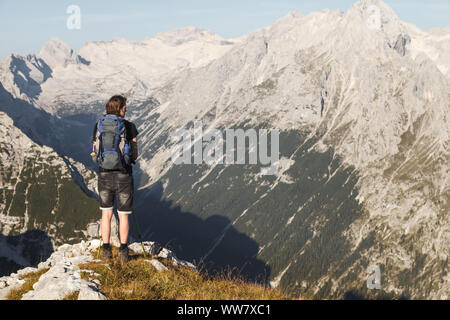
116, 185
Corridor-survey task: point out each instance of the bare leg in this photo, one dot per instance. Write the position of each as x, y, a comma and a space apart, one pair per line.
105, 225
124, 228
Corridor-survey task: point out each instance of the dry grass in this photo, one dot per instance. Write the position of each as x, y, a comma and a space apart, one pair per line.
139, 280
31, 279
72, 296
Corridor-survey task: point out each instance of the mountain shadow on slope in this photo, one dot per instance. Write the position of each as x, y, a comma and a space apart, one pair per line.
191, 237
24, 250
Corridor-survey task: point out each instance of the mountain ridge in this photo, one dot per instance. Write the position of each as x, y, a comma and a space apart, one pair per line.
363, 114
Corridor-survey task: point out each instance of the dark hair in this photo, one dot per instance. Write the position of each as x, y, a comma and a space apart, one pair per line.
114, 104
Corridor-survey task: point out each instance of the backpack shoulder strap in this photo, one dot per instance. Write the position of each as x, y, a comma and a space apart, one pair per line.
100, 123
120, 124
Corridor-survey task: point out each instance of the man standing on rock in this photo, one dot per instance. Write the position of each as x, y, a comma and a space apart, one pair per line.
115, 150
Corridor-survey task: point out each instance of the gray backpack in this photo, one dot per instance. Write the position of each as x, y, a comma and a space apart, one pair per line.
111, 143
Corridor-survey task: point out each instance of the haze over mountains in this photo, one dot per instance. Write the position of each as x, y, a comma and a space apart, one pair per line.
363, 115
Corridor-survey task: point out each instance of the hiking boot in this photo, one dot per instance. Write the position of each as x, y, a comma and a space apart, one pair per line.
106, 251
123, 254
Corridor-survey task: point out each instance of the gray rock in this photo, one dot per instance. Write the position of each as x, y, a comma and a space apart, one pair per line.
62, 279
64, 248
158, 265
93, 230
13, 282
96, 282
177, 262
115, 240
44, 264
400, 44
151, 248
88, 292
169, 255
166, 254
20, 282
93, 244
26, 270
82, 246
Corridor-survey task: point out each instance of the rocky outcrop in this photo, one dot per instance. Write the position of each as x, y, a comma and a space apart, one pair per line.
64, 275
400, 44
93, 231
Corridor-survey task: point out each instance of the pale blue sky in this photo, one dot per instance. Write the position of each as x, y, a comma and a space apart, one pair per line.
26, 25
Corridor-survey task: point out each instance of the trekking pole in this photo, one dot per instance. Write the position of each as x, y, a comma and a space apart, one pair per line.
99, 246
139, 232
99, 230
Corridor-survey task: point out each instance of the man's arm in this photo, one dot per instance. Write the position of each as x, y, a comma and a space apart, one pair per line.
94, 133
134, 150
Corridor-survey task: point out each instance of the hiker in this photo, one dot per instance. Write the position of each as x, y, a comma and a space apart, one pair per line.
115, 150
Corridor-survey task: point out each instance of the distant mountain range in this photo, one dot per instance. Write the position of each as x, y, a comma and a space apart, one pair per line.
361, 101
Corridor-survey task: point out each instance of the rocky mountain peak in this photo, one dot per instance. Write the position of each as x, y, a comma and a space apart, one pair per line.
186, 34
377, 15
56, 52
